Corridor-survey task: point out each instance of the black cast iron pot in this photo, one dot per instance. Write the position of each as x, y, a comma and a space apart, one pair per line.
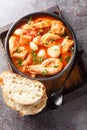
18, 22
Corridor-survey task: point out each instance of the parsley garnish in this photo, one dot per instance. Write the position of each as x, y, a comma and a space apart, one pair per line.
60, 59
30, 19
67, 59
55, 66
35, 58
40, 59
18, 50
38, 33
52, 40
46, 43
44, 72
20, 62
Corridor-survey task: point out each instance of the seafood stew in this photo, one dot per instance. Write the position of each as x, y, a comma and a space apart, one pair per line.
41, 46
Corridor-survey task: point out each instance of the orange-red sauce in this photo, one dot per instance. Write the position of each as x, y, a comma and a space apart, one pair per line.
22, 40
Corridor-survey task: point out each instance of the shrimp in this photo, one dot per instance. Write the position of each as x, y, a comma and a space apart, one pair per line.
54, 51
49, 38
49, 66
66, 44
57, 27
25, 39
43, 24
13, 44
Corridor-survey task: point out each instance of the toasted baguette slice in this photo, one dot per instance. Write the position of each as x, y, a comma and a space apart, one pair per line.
20, 89
26, 109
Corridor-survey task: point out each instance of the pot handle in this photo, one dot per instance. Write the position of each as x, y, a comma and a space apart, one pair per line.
55, 9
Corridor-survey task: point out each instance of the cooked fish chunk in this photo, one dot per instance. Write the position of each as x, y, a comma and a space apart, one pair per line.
57, 27
43, 24
25, 39
21, 55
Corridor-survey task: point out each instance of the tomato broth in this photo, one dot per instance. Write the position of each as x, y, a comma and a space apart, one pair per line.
41, 46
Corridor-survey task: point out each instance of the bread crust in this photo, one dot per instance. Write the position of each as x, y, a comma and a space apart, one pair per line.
22, 105
21, 89
26, 109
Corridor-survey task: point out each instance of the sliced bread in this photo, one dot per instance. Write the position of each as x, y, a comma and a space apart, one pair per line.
20, 89
26, 109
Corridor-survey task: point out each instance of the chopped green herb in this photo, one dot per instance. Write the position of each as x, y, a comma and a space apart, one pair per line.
33, 53
18, 50
60, 59
40, 59
38, 33
55, 66
19, 62
52, 40
44, 72
55, 49
35, 58
46, 43
30, 19
67, 59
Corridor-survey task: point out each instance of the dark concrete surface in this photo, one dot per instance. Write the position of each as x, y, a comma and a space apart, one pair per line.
72, 116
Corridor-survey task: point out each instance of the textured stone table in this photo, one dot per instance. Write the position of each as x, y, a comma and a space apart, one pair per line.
72, 116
